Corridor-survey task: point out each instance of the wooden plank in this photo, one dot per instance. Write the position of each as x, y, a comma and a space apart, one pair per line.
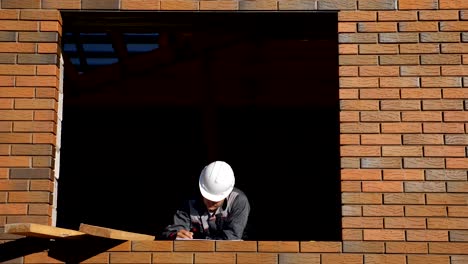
41, 231
112, 233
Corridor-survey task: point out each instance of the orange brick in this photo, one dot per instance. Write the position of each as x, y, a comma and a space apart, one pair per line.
230, 5
152, 245
402, 174
35, 219
348, 116
14, 161
422, 116
51, 26
456, 116
44, 138
35, 104
45, 115
406, 151
299, 258
394, 128
178, 5
47, 93
32, 14
319, 247
420, 70
5, 104
426, 210
13, 209
443, 128
195, 245
362, 222
384, 139
359, 82
377, 27
443, 104
421, 4
427, 235
407, 82
352, 234
381, 258
13, 185
29, 197
441, 82
9, 14
35, 126
458, 211
403, 198
457, 163
385, 235
423, 259
130, 257
6, 81
357, 151
18, 25
418, 26
357, 15
361, 174
446, 198
397, 15
42, 185
380, 116
349, 93
420, 48
16, 47
347, 27
15, 137
62, 4
361, 198
348, 49
48, 81
47, 47
378, 70
215, 258
237, 246
393, 186
400, 105
438, 15
405, 222
380, 93
40, 209
444, 151
175, 257
359, 105
123, 246
406, 247
258, 5
453, 4
244, 258
350, 186
454, 48
383, 210
455, 93
17, 92
342, 258
47, 70
348, 71
278, 246
447, 223
351, 210
349, 139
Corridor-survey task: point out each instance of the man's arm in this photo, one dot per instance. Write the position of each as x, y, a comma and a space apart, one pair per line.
181, 222
236, 222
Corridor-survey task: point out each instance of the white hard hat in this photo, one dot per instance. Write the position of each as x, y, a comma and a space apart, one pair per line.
216, 181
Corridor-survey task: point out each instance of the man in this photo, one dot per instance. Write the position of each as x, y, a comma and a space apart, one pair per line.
221, 213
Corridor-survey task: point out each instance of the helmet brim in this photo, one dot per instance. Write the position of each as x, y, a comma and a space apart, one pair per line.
214, 198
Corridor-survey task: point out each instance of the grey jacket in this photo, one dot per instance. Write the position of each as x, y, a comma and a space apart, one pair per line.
228, 223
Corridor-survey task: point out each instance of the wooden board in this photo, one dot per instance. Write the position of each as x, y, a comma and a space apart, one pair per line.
42, 231
113, 233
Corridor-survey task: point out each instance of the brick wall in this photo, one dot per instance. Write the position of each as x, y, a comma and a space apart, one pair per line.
403, 91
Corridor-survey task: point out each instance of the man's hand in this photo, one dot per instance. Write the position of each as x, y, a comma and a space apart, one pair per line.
184, 234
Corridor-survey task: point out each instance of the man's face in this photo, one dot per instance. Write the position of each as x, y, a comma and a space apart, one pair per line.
212, 206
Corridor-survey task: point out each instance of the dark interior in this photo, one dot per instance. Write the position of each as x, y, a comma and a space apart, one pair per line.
258, 90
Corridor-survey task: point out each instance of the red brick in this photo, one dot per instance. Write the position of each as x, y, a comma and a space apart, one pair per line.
13, 209
14, 161
14, 47
421, 4
18, 25
457, 163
